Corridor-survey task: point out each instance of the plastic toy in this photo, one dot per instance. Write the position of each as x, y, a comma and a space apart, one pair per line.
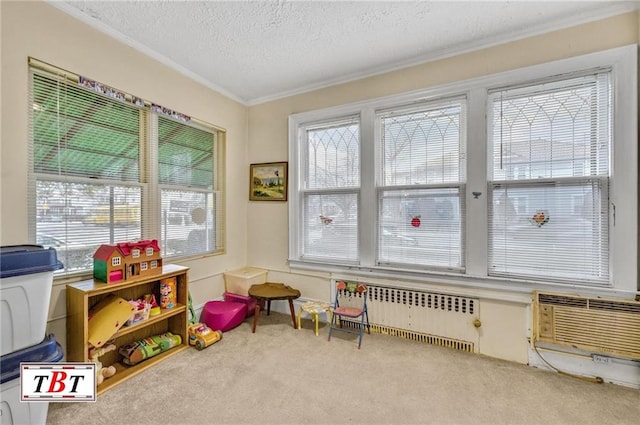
126, 261
106, 318
145, 348
102, 372
155, 309
203, 336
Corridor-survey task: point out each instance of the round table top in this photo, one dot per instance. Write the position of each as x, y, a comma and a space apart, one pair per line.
273, 291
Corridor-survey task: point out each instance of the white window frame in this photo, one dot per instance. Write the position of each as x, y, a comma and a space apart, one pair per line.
623, 192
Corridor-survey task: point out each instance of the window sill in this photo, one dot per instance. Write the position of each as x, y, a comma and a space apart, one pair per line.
503, 289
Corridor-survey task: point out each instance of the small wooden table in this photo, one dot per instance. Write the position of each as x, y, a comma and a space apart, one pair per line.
272, 291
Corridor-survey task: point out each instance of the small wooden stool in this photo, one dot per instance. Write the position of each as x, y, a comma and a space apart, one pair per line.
314, 308
268, 292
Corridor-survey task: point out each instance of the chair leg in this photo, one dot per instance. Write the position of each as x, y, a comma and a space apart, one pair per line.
361, 331
331, 324
299, 317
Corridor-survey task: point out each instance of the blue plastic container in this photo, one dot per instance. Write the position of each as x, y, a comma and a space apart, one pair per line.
26, 281
47, 351
12, 410
16, 260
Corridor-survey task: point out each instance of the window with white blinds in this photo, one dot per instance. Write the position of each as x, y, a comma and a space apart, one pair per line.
421, 199
331, 188
106, 169
550, 149
527, 178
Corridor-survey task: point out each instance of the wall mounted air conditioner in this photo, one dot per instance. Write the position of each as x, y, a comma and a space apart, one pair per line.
602, 326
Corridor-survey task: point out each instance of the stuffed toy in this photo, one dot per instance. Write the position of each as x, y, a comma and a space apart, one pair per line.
106, 372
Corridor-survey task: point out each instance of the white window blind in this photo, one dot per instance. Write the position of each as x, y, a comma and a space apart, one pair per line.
85, 168
331, 190
105, 168
186, 158
549, 179
421, 199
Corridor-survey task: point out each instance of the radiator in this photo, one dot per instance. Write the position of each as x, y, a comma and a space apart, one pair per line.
439, 319
595, 325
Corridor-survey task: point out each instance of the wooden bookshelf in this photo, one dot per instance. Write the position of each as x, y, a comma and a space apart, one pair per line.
83, 295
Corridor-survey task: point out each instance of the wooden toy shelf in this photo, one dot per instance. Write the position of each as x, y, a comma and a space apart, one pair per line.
83, 295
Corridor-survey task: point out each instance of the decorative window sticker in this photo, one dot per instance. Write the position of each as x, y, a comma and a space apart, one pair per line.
325, 219
540, 218
415, 221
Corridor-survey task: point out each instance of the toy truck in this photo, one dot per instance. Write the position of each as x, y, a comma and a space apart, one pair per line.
202, 335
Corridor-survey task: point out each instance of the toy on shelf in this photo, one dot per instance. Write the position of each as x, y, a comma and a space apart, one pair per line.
127, 260
168, 292
142, 311
106, 318
202, 335
102, 372
145, 348
151, 300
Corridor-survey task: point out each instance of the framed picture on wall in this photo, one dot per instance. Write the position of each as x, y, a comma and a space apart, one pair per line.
268, 182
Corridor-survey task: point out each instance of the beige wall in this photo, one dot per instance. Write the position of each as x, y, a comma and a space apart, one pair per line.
505, 325
39, 30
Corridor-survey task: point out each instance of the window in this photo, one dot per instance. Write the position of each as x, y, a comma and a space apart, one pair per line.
523, 178
330, 190
421, 198
549, 168
108, 167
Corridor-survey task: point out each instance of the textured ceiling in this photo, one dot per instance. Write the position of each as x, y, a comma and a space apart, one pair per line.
262, 50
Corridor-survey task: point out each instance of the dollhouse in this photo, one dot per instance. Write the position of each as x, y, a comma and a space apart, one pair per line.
127, 260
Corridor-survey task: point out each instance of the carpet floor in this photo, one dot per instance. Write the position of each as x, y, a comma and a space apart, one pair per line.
284, 376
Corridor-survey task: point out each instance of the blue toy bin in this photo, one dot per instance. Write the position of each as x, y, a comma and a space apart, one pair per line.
26, 280
12, 410
47, 351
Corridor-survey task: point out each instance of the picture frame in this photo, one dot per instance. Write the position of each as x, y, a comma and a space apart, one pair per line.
268, 181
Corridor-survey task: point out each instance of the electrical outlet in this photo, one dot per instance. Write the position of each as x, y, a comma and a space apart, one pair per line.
601, 359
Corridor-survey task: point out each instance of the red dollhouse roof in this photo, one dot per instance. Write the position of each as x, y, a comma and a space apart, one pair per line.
127, 247
105, 251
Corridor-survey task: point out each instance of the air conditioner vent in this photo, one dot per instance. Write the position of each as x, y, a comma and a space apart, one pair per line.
621, 306
595, 325
562, 300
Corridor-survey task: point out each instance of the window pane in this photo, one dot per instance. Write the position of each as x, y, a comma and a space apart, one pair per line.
185, 154
553, 230
78, 132
333, 156
76, 218
188, 222
331, 226
552, 130
421, 227
423, 146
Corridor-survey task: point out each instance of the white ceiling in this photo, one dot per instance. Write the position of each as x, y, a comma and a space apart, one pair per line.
255, 51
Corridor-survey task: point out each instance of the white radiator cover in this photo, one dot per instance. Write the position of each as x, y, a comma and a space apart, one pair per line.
440, 319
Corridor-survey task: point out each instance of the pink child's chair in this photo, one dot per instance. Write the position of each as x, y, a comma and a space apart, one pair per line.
354, 306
